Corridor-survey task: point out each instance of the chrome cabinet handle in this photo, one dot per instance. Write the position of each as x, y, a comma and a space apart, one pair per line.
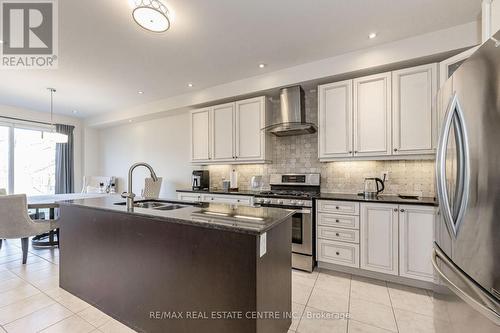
492, 306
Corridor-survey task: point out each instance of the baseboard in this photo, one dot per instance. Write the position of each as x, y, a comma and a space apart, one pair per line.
378, 276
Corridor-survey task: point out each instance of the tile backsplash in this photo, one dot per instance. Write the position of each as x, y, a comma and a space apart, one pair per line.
299, 154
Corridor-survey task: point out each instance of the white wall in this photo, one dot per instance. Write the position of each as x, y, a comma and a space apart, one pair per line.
163, 143
25, 114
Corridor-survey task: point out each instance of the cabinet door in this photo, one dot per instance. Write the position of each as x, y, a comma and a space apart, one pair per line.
379, 238
250, 119
414, 122
185, 196
223, 132
200, 135
335, 120
416, 234
372, 115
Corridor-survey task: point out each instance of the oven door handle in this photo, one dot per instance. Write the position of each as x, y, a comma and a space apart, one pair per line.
303, 211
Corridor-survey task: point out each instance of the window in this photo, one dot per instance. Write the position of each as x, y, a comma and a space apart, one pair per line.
32, 170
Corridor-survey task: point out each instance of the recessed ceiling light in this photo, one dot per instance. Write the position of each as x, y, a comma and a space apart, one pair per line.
262, 65
1, 41
372, 35
130, 120
190, 85
75, 111
140, 92
151, 15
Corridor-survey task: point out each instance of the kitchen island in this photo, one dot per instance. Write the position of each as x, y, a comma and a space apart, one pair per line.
187, 268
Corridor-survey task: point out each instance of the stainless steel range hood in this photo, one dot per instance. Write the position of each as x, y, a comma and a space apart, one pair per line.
291, 120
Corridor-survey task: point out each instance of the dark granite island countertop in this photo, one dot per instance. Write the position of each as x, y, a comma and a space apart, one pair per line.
200, 268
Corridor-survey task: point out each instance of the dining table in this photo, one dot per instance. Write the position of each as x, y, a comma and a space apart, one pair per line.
50, 203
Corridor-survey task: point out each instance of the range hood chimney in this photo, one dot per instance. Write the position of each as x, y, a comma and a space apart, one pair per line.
291, 120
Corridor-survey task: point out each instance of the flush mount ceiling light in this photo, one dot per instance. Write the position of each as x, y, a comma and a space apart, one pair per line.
372, 35
152, 15
190, 85
262, 65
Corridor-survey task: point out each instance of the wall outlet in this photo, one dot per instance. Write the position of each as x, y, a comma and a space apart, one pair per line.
384, 173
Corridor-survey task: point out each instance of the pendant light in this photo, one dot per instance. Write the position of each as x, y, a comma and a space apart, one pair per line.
151, 15
53, 136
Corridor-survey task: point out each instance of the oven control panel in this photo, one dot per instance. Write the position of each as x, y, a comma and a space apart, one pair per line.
283, 202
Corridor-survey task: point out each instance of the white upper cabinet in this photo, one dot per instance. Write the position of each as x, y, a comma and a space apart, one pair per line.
414, 110
379, 238
200, 135
223, 133
250, 119
336, 120
416, 234
230, 133
372, 115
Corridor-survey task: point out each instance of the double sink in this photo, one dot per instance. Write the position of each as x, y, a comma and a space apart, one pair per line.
155, 204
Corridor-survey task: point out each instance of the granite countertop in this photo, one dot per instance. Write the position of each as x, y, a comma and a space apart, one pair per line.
219, 191
242, 219
426, 201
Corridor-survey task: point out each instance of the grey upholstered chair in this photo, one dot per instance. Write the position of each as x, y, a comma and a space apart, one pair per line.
15, 222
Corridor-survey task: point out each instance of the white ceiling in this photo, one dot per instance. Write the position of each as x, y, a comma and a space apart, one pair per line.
105, 58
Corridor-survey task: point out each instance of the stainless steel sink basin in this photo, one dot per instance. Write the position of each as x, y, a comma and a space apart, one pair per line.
155, 204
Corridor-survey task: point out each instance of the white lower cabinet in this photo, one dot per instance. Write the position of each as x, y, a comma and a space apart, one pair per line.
384, 238
189, 196
215, 198
379, 238
416, 231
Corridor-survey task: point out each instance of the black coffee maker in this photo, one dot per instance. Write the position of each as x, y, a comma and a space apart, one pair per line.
200, 180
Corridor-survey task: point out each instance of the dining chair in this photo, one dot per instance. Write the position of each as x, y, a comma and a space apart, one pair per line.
152, 188
16, 223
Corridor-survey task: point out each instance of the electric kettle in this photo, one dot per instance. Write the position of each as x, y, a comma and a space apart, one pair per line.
372, 188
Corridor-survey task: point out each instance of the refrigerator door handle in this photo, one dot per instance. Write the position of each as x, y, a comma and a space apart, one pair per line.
489, 310
454, 116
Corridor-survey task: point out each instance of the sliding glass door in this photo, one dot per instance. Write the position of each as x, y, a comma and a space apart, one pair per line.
4, 158
27, 161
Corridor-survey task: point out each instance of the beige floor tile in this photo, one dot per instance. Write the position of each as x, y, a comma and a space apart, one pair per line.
70, 301
6, 274
411, 299
331, 300
114, 326
12, 283
358, 327
297, 311
301, 293
307, 275
94, 316
303, 280
335, 281
73, 324
370, 290
316, 321
33, 276
24, 307
410, 322
39, 320
32, 266
17, 294
373, 314
49, 283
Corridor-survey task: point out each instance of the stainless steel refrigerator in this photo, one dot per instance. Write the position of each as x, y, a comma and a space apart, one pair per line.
467, 244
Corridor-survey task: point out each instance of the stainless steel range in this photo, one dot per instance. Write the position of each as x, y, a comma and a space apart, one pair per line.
296, 191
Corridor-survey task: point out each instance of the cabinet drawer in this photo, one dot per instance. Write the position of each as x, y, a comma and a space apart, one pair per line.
338, 234
338, 207
336, 220
228, 199
192, 197
338, 253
